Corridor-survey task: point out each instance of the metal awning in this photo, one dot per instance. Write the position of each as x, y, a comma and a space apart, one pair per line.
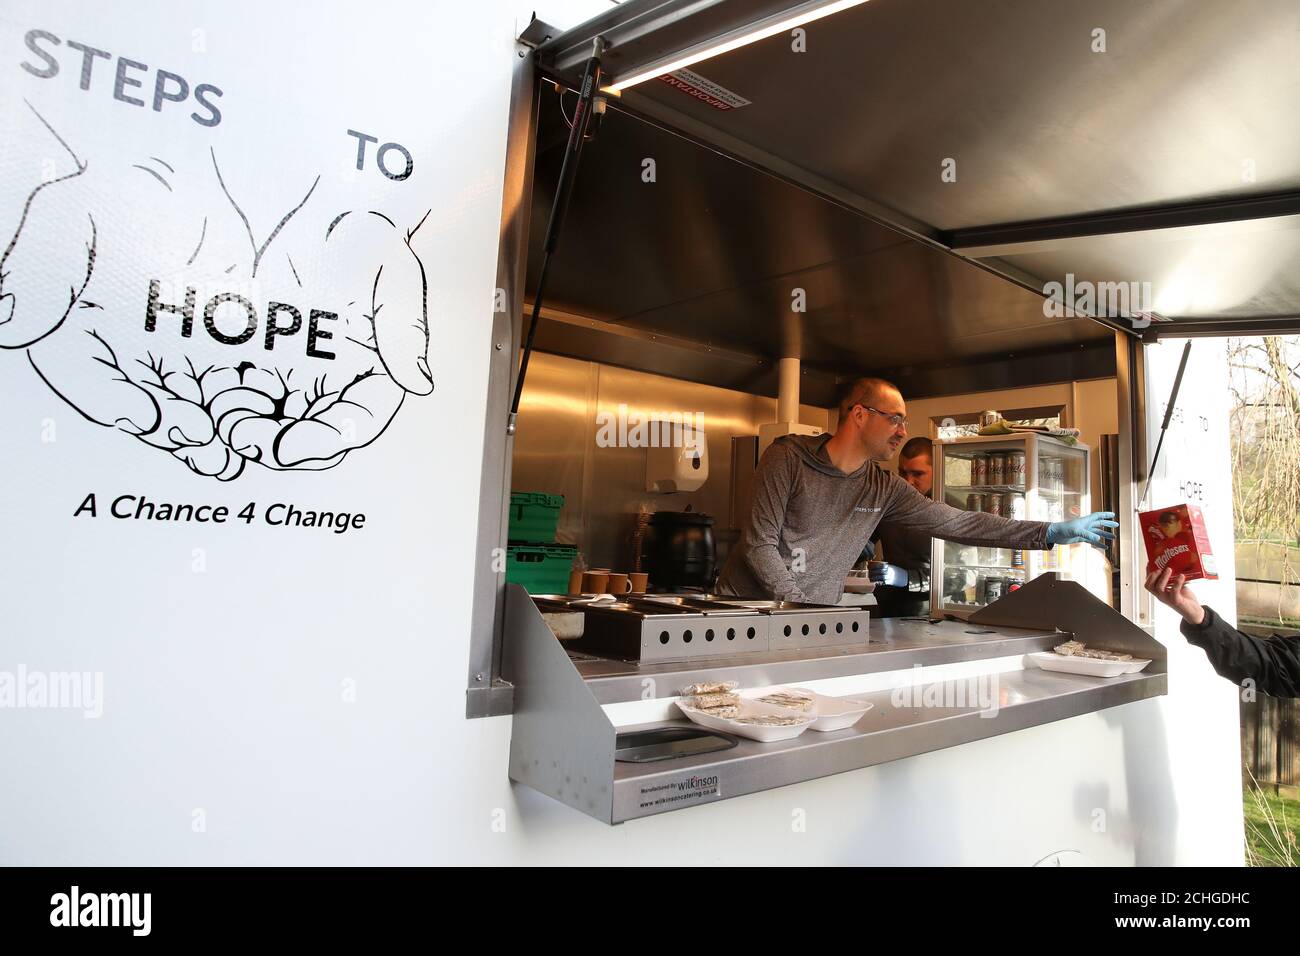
694, 275
1093, 144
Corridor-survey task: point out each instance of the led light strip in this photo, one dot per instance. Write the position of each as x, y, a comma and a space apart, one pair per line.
770, 26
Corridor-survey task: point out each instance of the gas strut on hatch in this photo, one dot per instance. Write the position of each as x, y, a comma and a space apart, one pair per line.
563, 191
1164, 425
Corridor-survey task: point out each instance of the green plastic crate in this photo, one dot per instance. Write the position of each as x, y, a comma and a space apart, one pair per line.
533, 516
540, 568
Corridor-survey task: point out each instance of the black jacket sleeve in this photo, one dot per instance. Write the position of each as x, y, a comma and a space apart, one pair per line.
1273, 663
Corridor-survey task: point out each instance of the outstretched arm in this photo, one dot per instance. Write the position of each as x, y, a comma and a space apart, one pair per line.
910, 509
1273, 663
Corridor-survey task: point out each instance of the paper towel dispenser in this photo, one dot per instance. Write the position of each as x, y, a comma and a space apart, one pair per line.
680, 464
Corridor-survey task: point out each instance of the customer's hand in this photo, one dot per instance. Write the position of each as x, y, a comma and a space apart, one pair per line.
1173, 592
888, 574
1093, 529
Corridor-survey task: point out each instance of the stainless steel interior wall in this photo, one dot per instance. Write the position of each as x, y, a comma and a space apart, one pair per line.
556, 450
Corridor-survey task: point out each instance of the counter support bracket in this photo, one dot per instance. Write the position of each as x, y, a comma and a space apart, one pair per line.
562, 742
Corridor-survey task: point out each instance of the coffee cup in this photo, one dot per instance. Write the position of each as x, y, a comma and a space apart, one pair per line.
640, 581
595, 582
619, 584
575, 582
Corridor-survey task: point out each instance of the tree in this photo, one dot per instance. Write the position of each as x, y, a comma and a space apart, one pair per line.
1265, 383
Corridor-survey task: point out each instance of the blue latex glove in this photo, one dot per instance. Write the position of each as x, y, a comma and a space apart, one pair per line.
889, 574
1093, 529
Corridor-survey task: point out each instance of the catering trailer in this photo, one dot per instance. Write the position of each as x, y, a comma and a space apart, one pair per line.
269, 291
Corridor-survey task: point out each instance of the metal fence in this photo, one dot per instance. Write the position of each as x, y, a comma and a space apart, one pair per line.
1270, 743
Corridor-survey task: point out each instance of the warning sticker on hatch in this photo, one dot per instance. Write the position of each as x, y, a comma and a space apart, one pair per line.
675, 793
704, 90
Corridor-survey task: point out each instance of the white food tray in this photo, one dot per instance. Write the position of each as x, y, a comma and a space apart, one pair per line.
1088, 666
752, 731
830, 713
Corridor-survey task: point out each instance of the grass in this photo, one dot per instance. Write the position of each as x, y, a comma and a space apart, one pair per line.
1262, 627
1272, 828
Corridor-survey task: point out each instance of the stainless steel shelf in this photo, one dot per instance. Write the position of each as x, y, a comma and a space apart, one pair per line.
886, 732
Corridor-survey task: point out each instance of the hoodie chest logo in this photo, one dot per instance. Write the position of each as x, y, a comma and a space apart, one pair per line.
869, 511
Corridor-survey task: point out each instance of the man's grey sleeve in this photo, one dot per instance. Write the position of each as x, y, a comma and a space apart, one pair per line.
909, 508
773, 482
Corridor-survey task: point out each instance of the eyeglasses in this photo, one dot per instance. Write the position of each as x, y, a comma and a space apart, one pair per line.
898, 421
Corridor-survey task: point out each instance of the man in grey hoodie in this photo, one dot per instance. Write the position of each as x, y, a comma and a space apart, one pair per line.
817, 500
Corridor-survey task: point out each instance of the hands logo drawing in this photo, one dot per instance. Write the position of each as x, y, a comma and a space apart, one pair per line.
215, 416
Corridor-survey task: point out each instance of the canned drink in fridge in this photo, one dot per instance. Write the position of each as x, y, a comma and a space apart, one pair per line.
993, 505
1015, 474
1053, 478
994, 589
997, 468
1013, 506
979, 470
1017, 559
974, 502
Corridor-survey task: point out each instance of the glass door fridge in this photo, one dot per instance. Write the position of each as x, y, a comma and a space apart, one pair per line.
1017, 476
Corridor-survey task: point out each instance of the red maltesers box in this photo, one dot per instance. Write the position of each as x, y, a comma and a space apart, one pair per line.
1176, 538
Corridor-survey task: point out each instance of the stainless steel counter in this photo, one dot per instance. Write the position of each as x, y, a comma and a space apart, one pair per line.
568, 712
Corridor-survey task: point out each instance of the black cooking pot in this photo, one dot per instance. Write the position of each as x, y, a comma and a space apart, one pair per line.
678, 550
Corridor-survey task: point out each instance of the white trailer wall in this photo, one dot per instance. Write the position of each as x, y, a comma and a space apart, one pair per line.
1202, 709
274, 694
